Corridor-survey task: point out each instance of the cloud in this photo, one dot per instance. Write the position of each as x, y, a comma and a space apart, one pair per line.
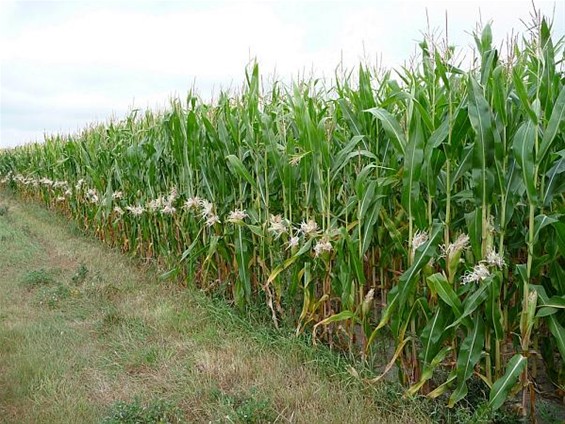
107, 60
215, 42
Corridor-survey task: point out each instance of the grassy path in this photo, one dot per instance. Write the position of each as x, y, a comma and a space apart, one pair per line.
86, 335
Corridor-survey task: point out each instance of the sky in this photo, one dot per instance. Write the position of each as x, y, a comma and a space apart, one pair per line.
67, 64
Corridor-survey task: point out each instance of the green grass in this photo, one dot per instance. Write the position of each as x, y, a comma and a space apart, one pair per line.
37, 278
136, 413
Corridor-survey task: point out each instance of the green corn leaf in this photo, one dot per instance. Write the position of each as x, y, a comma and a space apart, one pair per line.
243, 284
428, 370
559, 228
369, 208
341, 316
274, 274
555, 327
255, 229
441, 286
432, 336
187, 253
556, 302
558, 332
474, 229
523, 95
439, 134
465, 164
308, 295
238, 169
522, 272
391, 126
473, 301
423, 255
486, 39
545, 311
355, 262
493, 307
363, 176
553, 126
442, 388
469, 355
212, 248
459, 393
172, 273
540, 222
523, 149
502, 387
343, 157
480, 116
411, 198
366, 198
390, 309
542, 294
555, 183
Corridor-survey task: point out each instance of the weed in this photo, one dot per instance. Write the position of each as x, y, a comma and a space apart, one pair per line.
247, 407
52, 296
473, 408
549, 412
36, 278
80, 275
111, 318
157, 411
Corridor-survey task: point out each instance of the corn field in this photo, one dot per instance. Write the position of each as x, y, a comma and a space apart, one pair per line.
424, 205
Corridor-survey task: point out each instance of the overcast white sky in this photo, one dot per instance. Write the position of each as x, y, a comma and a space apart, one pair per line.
65, 64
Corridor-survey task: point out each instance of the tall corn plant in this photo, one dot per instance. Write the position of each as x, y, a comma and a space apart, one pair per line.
426, 204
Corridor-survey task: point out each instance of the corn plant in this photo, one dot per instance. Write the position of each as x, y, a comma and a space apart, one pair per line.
424, 206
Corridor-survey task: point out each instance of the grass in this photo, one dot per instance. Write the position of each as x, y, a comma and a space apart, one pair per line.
36, 278
87, 335
137, 413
